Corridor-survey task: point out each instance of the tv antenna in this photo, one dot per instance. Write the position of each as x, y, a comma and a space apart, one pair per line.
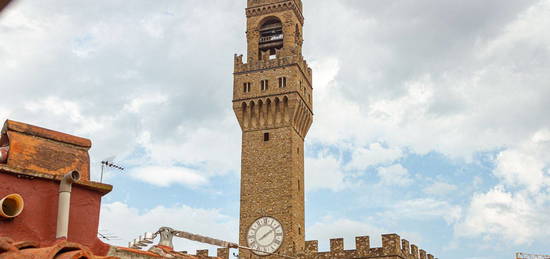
106, 163
107, 236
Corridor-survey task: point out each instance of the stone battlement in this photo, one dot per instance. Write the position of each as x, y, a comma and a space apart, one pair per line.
221, 253
241, 67
393, 247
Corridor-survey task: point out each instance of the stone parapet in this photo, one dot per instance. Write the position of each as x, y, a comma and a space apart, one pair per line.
393, 247
251, 66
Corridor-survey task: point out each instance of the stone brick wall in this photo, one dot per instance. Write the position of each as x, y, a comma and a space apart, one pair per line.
272, 172
129, 253
292, 23
270, 179
257, 7
294, 68
392, 248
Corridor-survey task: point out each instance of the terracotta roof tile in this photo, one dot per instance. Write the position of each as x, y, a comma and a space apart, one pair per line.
60, 250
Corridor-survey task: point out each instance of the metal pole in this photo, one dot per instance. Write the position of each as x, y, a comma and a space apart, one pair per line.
102, 165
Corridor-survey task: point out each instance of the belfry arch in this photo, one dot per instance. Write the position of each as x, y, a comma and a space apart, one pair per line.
271, 36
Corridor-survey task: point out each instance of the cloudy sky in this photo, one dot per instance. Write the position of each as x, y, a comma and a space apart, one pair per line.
432, 118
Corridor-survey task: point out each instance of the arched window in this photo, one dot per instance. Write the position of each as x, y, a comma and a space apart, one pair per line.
271, 35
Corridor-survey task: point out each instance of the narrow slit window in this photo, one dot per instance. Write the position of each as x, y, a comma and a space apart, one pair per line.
247, 87
282, 82
266, 136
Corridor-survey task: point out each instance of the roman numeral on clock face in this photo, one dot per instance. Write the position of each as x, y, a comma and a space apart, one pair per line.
265, 236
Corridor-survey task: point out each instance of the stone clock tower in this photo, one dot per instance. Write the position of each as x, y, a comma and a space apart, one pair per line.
272, 99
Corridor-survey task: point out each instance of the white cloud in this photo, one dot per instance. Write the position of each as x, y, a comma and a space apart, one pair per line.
517, 210
324, 172
499, 215
65, 110
375, 154
137, 103
520, 169
424, 209
110, 76
526, 165
166, 176
127, 223
457, 95
439, 188
394, 175
214, 148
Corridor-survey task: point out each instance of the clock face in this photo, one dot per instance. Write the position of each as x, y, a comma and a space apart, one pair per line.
265, 236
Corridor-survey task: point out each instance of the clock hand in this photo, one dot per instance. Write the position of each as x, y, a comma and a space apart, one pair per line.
266, 234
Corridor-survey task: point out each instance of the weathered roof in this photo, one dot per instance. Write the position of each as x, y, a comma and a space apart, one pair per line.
62, 249
45, 151
46, 133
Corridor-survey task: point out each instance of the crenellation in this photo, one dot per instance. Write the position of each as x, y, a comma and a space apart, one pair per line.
422, 254
405, 247
414, 251
222, 253
203, 252
312, 247
392, 247
238, 60
362, 245
391, 243
337, 244
267, 64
